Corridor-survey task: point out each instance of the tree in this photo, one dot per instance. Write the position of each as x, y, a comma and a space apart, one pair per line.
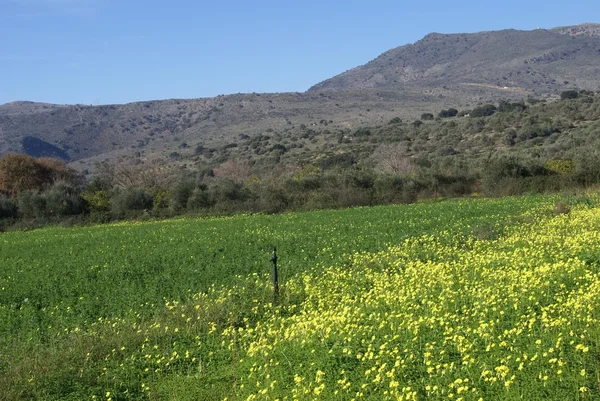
393, 159
483, 111
426, 116
58, 170
572, 94
238, 171
448, 113
20, 173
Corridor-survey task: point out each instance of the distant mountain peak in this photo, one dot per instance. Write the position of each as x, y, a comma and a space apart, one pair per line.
537, 61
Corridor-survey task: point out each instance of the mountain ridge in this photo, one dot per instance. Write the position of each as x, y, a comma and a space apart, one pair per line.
440, 70
533, 60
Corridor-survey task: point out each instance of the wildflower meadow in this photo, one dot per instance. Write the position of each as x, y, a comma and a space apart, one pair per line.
473, 299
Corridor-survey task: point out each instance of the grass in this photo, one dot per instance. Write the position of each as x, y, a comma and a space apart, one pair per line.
432, 300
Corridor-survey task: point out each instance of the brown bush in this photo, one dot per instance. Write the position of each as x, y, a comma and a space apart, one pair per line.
19, 172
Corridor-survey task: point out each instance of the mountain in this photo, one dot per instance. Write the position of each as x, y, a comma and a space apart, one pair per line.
172, 131
540, 62
438, 71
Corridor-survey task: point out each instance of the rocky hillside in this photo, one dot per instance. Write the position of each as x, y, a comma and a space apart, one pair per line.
439, 71
540, 61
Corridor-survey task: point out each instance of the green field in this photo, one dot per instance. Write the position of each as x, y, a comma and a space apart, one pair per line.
459, 299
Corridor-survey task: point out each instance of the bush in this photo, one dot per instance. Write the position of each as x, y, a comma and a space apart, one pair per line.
560, 166
64, 200
343, 160
161, 200
97, 201
8, 208
426, 116
361, 132
571, 94
273, 200
228, 190
483, 111
31, 205
448, 113
506, 174
130, 200
199, 199
180, 194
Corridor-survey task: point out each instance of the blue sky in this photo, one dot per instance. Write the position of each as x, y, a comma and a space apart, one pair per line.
109, 51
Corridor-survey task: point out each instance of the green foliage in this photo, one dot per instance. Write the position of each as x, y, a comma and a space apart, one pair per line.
560, 166
458, 151
64, 200
98, 201
507, 107
200, 198
181, 193
483, 111
130, 200
172, 308
31, 204
343, 160
570, 94
8, 208
162, 200
448, 113
362, 132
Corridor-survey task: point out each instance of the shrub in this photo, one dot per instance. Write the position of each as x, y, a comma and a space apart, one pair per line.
31, 205
483, 111
98, 201
448, 113
343, 160
200, 198
560, 166
8, 208
130, 200
361, 132
571, 94
273, 200
161, 200
180, 194
229, 190
20, 173
64, 200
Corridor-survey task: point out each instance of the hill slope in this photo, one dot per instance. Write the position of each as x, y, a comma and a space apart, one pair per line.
439, 71
540, 61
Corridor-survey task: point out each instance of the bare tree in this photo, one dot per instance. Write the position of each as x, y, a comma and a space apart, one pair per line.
152, 177
236, 170
393, 159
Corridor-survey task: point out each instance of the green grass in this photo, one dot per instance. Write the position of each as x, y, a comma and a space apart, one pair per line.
152, 310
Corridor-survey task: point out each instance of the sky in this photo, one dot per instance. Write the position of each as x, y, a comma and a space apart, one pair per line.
120, 51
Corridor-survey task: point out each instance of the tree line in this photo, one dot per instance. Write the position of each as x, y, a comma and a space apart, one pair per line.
504, 149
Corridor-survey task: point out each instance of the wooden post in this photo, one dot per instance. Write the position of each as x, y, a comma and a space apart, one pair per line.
275, 278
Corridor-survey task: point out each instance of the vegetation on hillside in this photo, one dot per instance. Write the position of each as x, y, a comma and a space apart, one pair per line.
503, 149
439, 72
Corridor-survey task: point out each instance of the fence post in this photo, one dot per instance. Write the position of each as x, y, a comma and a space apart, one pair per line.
275, 278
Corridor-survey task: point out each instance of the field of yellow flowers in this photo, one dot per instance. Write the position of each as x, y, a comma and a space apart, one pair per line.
457, 300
